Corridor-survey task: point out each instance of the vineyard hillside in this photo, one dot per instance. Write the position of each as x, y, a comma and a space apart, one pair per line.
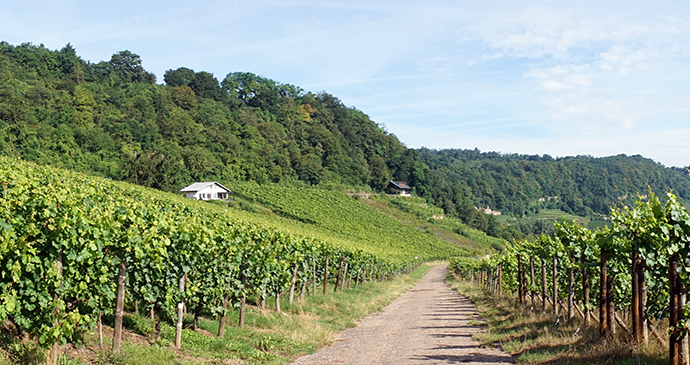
336, 217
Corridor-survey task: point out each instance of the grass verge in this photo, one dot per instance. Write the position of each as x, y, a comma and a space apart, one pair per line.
536, 337
269, 337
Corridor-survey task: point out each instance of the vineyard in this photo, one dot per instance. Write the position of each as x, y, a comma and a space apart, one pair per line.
631, 276
74, 248
340, 218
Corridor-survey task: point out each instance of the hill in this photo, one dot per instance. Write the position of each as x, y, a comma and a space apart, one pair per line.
111, 119
520, 185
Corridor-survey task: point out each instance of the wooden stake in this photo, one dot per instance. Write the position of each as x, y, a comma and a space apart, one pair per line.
293, 281
342, 281
325, 277
610, 307
531, 278
571, 293
555, 285
313, 266
180, 314
500, 280
340, 274
636, 315
603, 322
243, 301
674, 308
119, 307
543, 283
100, 330
585, 295
521, 284
223, 316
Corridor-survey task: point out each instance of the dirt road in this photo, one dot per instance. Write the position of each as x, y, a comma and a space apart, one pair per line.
428, 324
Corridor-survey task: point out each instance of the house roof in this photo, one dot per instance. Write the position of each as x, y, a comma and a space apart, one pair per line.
200, 186
401, 185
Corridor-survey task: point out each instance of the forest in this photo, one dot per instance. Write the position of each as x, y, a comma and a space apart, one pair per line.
114, 119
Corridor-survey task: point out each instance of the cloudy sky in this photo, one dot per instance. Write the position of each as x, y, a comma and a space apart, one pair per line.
532, 77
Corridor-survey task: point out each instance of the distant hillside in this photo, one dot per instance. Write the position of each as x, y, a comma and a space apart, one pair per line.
111, 119
522, 184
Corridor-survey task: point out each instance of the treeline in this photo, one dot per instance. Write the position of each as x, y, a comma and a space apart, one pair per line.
111, 119
521, 185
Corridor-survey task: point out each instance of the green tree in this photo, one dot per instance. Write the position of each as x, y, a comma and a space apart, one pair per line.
127, 66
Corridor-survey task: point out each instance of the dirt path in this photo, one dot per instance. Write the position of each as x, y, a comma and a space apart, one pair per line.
427, 324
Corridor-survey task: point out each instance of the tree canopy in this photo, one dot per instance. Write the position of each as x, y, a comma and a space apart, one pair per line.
111, 119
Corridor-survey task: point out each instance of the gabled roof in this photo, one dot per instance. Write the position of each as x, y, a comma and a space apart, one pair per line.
202, 185
400, 185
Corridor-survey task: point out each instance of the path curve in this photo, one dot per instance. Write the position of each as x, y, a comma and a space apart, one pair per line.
427, 324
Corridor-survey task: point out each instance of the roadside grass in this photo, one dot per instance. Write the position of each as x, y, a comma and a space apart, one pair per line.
536, 337
269, 337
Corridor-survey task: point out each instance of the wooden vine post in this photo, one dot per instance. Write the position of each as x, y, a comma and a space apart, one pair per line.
490, 280
340, 274
325, 277
54, 348
610, 308
180, 314
675, 312
223, 316
637, 309
500, 280
571, 289
603, 322
555, 285
313, 265
342, 280
119, 307
543, 283
585, 295
293, 282
243, 301
521, 284
531, 279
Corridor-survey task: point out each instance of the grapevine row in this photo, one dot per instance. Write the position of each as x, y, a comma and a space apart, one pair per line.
73, 248
639, 264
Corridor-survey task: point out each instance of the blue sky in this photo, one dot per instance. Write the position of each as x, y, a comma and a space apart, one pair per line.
533, 77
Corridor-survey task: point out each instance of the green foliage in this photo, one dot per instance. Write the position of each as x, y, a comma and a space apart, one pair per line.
110, 119
341, 216
524, 185
64, 235
652, 230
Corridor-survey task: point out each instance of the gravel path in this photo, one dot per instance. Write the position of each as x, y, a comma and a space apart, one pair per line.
427, 324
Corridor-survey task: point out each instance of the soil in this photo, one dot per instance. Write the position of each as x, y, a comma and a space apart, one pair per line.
430, 324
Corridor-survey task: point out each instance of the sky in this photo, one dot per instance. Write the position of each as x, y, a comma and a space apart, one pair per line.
561, 78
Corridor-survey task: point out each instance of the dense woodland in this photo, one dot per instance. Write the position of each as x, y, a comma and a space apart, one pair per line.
112, 119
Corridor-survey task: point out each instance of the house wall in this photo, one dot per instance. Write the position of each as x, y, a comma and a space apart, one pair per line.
208, 193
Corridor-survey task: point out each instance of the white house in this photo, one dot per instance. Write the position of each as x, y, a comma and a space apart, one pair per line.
207, 191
